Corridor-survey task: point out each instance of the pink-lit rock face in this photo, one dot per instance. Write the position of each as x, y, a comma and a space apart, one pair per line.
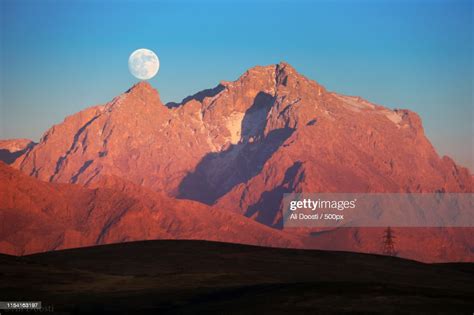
37, 216
242, 144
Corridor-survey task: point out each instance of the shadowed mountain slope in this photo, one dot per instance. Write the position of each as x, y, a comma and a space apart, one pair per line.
12, 149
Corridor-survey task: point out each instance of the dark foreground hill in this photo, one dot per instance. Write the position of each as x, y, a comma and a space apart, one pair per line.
161, 277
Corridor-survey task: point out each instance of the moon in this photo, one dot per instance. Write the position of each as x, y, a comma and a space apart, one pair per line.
143, 64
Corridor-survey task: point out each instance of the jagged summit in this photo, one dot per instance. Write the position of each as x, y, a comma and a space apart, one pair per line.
140, 86
287, 69
274, 68
256, 118
268, 78
259, 76
143, 90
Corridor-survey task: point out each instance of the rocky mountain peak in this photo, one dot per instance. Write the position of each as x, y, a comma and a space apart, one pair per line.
234, 141
144, 93
141, 86
275, 74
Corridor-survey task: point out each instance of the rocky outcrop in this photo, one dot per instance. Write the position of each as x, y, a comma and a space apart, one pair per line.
12, 149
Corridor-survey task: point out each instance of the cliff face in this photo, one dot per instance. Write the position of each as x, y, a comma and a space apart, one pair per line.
241, 145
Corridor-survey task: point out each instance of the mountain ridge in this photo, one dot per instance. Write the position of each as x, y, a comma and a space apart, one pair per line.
270, 88
241, 145
37, 216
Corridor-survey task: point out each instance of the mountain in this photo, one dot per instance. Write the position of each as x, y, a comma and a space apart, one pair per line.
241, 138
11, 149
240, 146
37, 216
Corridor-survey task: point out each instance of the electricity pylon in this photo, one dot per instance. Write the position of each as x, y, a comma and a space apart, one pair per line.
388, 242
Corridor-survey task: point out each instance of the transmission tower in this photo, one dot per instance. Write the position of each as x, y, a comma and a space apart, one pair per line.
388, 242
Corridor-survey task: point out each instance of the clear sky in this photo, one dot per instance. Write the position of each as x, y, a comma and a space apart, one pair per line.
58, 57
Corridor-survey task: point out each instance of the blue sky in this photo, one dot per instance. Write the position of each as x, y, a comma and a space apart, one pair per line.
58, 57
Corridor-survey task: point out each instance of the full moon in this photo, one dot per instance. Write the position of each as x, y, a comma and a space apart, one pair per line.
143, 64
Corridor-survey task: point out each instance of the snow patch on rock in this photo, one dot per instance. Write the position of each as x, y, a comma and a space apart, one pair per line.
355, 103
234, 125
